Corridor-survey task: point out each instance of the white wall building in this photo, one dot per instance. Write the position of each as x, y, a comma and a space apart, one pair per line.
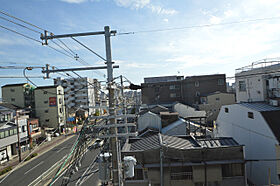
80, 93
257, 126
149, 119
258, 82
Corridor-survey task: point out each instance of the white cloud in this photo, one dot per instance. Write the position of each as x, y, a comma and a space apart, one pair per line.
215, 20
74, 1
134, 4
160, 10
165, 20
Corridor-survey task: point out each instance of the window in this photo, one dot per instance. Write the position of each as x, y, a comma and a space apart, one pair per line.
15, 131
46, 111
45, 92
6, 133
11, 132
196, 84
60, 100
60, 110
221, 81
173, 95
242, 86
197, 94
181, 173
171, 87
12, 90
251, 115
23, 128
13, 99
231, 170
217, 99
226, 110
59, 92
47, 120
45, 102
2, 135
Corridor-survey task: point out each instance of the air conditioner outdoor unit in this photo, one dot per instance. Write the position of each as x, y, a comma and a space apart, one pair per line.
274, 102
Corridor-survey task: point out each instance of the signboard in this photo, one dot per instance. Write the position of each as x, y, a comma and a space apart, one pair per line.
52, 101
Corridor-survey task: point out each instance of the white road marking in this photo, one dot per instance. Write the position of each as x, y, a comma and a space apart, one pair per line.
34, 167
60, 149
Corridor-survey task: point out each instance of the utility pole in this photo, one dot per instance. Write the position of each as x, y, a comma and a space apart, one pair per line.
109, 66
113, 130
19, 147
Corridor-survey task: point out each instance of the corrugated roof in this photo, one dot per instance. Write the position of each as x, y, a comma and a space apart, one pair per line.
188, 142
259, 106
217, 142
12, 85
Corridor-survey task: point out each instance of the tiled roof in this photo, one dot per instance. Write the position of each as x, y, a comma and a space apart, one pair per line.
148, 143
9, 106
259, 106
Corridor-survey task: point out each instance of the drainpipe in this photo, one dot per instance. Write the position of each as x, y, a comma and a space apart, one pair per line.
161, 161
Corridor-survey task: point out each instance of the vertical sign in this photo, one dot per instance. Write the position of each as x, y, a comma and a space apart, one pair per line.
52, 101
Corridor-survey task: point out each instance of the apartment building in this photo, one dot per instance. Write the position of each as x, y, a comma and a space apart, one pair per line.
80, 93
9, 126
170, 160
50, 106
259, 82
188, 90
21, 95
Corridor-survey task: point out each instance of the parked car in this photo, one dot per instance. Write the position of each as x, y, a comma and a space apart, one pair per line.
98, 143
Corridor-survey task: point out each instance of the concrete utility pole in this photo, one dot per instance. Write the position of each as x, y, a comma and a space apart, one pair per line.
109, 66
19, 147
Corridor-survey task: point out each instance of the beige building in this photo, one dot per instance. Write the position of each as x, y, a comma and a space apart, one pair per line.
49, 106
21, 95
186, 161
213, 102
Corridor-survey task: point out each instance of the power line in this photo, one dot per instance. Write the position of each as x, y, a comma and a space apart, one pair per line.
198, 26
2, 12
89, 49
19, 24
62, 48
20, 34
67, 47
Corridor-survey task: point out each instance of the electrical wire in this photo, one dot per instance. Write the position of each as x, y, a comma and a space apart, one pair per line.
198, 26
89, 49
67, 47
2, 12
20, 34
19, 24
62, 48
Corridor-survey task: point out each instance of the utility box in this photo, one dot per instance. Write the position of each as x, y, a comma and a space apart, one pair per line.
129, 163
104, 162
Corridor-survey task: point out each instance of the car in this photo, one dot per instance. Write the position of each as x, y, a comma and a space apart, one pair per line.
98, 143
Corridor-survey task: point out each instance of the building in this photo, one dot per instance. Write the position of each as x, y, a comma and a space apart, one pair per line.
256, 125
169, 89
50, 106
21, 95
258, 82
80, 93
186, 160
34, 130
212, 103
9, 125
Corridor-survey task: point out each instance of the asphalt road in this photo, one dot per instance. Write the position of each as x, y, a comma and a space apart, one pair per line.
86, 174
29, 172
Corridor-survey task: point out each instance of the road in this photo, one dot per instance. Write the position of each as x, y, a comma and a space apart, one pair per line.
29, 172
85, 175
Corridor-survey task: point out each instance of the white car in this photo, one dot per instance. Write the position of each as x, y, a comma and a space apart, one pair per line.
98, 143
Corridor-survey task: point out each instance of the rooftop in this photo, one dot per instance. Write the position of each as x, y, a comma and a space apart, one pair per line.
259, 106
13, 85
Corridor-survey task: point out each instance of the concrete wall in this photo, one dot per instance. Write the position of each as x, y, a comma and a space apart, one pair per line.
14, 92
214, 103
257, 137
148, 120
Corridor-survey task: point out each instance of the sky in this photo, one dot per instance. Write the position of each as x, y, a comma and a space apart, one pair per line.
156, 48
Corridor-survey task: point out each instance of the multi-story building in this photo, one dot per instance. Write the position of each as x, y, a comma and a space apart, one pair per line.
12, 118
185, 160
258, 82
80, 93
169, 89
21, 95
50, 106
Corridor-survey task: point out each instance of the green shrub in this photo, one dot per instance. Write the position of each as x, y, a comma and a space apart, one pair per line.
31, 156
7, 169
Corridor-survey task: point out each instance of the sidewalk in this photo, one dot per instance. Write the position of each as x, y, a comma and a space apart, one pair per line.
45, 147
